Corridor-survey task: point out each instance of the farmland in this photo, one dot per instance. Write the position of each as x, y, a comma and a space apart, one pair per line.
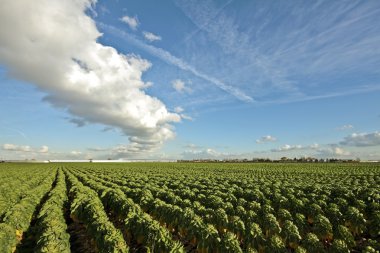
188, 207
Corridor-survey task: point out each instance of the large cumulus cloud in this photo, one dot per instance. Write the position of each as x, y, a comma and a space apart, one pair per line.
53, 44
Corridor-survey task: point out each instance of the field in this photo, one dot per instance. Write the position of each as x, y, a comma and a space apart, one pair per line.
188, 207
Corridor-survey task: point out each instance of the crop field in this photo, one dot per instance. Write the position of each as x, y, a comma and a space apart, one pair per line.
189, 207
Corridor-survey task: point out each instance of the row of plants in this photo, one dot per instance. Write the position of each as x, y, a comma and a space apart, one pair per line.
335, 215
86, 208
21, 179
174, 207
17, 219
138, 226
52, 235
181, 222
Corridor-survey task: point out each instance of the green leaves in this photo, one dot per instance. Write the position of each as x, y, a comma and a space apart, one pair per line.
205, 207
18, 218
52, 236
276, 245
339, 246
323, 228
89, 209
290, 234
312, 244
8, 238
355, 220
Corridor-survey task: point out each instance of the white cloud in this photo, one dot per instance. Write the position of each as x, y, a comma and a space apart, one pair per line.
135, 149
207, 153
151, 37
9, 147
266, 139
287, 147
362, 139
180, 86
178, 109
97, 149
333, 151
13, 147
198, 152
187, 117
75, 153
316, 150
345, 127
44, 149
193, 151
314, 146
340, 151
132, 22
25, 148
56, 47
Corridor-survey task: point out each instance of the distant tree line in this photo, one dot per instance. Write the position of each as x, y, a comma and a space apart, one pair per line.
268, 160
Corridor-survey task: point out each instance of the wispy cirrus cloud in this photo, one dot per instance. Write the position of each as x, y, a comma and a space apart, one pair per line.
345, 127
236, 46
97, 149
14, 131
354, 91
175, 61
299, 52
206, 22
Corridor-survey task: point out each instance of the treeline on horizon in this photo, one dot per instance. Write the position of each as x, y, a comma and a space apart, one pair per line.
268, 160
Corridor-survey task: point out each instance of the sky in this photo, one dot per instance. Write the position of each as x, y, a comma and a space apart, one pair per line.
187, 79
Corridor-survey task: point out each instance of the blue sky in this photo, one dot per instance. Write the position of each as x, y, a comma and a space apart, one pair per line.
189, 79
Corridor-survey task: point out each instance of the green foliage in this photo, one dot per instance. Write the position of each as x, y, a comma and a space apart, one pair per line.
8, 238
52, 236
18, 218
271, 225
312, 244
300, 250
355, 220
344, 234
290, 234
230, 244
173, 207
339, 246
322, 228
276, 245
369, 249
87, 207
